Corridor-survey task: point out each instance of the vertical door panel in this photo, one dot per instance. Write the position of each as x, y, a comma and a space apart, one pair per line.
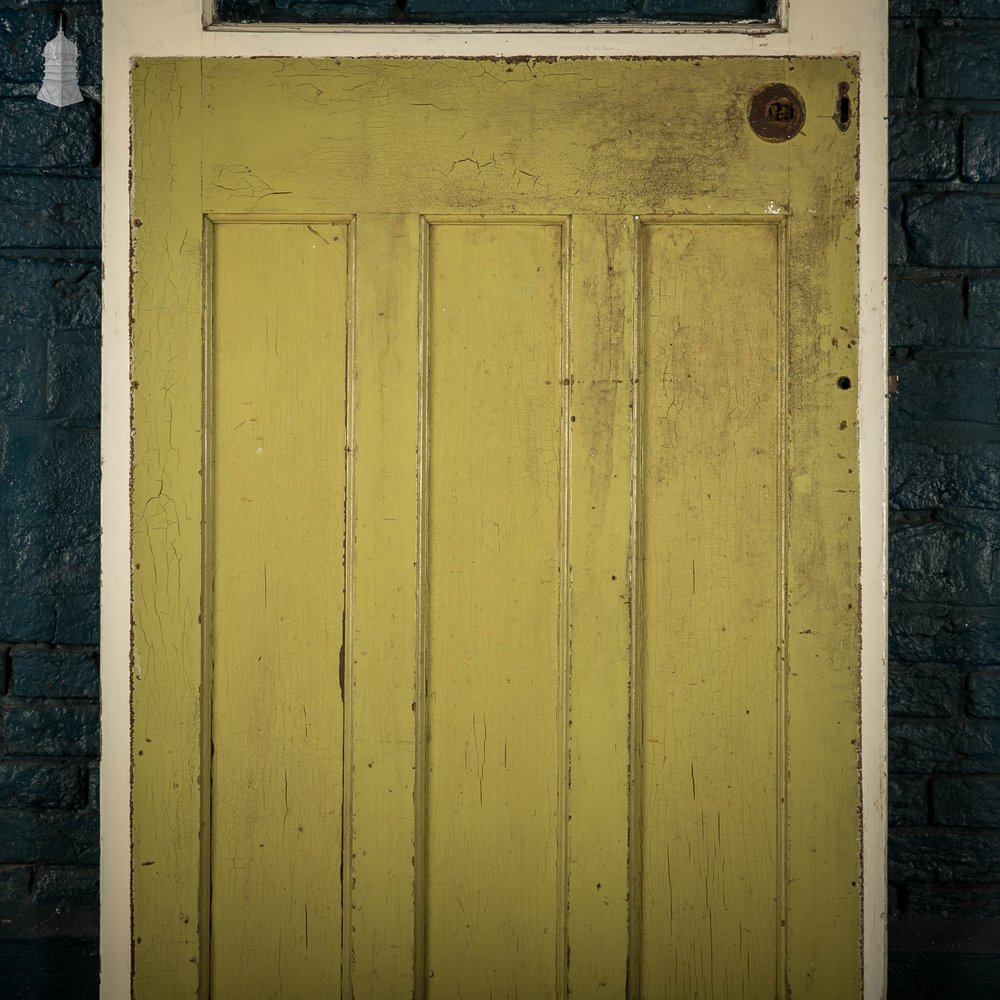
711, 535
494, 564
276, 614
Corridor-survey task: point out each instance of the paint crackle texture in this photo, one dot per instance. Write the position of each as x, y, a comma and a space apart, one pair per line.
488, 650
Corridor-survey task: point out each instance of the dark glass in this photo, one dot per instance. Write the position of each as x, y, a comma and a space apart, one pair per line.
491, 11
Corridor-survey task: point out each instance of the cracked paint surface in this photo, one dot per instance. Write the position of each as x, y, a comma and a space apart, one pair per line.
561, 662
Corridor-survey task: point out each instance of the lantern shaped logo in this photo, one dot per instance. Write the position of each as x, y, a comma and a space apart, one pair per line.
59, 86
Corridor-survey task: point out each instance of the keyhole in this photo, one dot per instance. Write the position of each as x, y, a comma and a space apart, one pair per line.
843, 115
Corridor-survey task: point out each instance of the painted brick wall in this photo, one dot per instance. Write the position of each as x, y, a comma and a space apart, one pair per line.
944, 688
49, 519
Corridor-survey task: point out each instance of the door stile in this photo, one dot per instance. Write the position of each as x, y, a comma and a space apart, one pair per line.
824, 919
602, 555
166, 368
386, 702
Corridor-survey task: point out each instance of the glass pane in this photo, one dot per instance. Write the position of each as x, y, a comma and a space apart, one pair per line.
490, 11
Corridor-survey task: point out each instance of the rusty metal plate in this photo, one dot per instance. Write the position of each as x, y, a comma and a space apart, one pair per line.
776, 112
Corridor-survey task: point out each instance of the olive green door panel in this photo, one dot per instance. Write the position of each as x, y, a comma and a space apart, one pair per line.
495, 532
712, 692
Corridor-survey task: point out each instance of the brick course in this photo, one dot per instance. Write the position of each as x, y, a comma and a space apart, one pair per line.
972, 802
984, 694
932, 691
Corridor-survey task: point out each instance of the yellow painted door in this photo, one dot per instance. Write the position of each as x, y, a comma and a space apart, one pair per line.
495, 530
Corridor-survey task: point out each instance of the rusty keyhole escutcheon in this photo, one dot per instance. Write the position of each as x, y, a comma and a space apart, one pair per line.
776, 112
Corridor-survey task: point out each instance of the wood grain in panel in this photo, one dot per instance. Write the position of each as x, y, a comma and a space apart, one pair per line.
494, 341
383, 680
276, 552
601, 423
711, 539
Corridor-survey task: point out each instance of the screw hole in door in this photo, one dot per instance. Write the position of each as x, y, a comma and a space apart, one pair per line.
844, 382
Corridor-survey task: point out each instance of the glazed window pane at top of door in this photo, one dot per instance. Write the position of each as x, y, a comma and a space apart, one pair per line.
491, 11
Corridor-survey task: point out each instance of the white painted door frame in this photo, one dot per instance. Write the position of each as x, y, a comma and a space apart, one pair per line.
153, 28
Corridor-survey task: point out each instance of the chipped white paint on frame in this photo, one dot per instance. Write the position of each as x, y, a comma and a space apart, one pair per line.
153, 28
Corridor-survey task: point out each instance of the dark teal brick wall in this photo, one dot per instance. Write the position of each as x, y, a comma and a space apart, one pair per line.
944, 471
984, 694
925, 691
49, 519
968, 802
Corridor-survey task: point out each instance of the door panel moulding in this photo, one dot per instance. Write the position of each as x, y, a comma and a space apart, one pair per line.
808, 27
